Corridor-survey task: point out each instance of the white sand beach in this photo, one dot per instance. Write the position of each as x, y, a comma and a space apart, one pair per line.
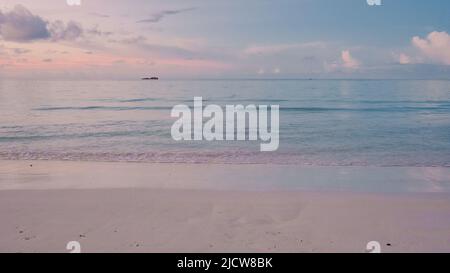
53, 203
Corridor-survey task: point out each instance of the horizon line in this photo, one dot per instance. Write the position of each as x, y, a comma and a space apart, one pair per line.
232, 79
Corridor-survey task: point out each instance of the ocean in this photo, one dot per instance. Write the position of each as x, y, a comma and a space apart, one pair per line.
322, 122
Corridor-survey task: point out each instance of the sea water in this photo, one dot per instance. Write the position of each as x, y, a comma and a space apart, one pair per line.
322, 122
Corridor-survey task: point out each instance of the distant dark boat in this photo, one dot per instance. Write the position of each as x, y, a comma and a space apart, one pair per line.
150, 79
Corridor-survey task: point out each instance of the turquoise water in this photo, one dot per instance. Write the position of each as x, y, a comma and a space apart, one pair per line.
322, 122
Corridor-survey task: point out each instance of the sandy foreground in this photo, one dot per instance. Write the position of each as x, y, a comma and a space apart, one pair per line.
42, 208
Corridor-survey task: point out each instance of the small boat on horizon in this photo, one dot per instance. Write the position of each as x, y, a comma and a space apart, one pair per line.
150, 78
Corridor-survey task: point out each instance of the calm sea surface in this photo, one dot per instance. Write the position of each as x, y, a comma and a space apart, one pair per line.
322, 122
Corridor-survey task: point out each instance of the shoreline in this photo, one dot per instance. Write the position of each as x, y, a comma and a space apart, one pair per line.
47, 174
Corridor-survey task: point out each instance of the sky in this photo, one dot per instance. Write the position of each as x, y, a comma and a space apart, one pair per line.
114, 39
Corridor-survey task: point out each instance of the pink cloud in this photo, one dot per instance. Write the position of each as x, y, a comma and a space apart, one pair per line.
404, 59
348, 60
435, 47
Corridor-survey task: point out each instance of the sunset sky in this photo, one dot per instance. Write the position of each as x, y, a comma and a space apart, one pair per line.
48, 39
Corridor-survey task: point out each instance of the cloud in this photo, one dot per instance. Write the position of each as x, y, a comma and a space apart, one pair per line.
435, 47
61, 31
96, 32
404, 59
275, 70
134, 40
156, 17
348, 61
278, 48
19, 51
13, 50
20, 25
100, 15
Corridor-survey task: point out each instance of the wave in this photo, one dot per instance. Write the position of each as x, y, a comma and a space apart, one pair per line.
287, 109
222, 157
365, 109
110, 108
279, 100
